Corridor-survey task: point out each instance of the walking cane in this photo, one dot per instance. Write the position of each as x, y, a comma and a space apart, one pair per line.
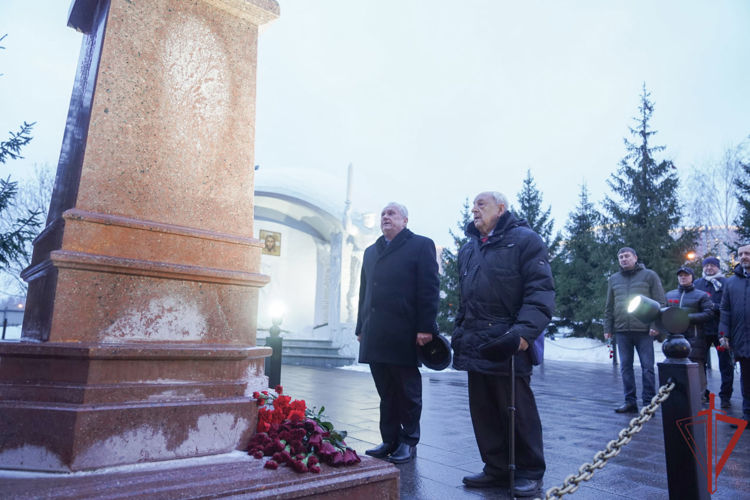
512, 409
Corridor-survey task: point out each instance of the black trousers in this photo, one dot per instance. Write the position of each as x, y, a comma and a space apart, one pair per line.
726, 367
400, 391
489, 399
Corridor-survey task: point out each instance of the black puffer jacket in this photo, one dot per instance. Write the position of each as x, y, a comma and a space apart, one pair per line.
623, 286
700, 310
735, 312
702, 284
515, 294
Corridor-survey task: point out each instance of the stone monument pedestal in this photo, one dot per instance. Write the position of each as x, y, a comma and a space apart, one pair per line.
139, 335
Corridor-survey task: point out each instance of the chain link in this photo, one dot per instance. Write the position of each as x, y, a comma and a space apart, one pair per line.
586, 471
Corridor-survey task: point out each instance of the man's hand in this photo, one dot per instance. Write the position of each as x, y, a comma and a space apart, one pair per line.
724, 342
524, 345
653, 332
359, 338
423, 338
607, 336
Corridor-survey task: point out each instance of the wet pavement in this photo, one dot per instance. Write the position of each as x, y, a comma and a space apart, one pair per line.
576, 402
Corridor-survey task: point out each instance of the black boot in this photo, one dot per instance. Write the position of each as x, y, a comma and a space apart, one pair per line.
404, 453
627, 408
527, 487
483, 480
383, 450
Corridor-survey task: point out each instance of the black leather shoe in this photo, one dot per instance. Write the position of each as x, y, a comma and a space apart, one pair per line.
382, 451
527, 487
735, 426
483, 480
725, 403
627, 408
404, 453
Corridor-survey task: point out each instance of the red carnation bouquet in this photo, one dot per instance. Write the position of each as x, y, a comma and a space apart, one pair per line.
295, 436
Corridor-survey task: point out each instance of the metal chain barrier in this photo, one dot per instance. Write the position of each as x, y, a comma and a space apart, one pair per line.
586, 471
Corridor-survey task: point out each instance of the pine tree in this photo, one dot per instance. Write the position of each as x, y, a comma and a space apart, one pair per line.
530, 208
449, 290
579, 272
14, 240
743, 198
647, 215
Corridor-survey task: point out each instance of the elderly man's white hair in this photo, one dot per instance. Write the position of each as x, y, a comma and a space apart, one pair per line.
401, 208
499, 198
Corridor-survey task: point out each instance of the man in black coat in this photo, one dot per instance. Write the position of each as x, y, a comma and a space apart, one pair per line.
700, 310
712, 283
398, 303
506, 286
735, 320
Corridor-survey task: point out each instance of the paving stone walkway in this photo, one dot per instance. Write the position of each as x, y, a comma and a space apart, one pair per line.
576, 402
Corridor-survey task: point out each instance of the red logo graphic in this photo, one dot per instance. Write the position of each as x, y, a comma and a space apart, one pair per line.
712, 464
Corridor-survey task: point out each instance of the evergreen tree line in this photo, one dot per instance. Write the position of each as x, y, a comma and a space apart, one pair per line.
643, 210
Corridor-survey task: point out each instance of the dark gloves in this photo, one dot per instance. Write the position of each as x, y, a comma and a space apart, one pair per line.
502, 348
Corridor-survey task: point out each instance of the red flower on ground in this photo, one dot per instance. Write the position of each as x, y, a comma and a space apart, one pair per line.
350, 457
296, 416
312, 460
315, 469
282, 402
299, 404
315, 439
279, 389
337, 459
326, 450
263, 426
271, 465
298, 466
258, 455
278, 416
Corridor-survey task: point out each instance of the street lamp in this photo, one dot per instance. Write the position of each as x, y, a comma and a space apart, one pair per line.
690, 255
274, 341
674, 320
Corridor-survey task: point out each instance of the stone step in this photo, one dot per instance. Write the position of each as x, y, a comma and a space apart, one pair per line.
316, 360
300, 342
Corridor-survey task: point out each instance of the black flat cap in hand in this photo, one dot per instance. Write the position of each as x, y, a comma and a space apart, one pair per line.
502, 348
435, 354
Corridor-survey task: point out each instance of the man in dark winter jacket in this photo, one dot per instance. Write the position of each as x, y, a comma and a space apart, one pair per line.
700, 311
735, 321
712, 283
633, 279
398, 303
505, 286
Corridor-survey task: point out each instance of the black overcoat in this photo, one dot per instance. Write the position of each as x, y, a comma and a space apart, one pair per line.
398, 298
735, 313
702, 284
517, 294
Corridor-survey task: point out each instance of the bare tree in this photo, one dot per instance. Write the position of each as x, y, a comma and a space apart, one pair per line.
710, 195
33, 196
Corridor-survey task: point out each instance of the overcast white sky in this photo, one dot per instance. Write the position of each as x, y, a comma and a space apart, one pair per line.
434, 101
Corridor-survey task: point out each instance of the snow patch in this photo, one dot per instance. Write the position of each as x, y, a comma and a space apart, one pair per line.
165, 319
36, 457
212, 434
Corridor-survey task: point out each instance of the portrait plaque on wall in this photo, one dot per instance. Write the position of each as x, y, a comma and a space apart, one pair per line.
271, 242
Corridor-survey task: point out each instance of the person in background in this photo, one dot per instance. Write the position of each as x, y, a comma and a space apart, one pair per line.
712, 283
700, 310
632, 279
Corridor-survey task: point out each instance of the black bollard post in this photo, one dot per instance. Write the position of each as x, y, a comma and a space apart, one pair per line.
685, 479
5, 325
273, 362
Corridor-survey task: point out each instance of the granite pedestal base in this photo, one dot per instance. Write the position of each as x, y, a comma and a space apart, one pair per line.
77, 406
245, 479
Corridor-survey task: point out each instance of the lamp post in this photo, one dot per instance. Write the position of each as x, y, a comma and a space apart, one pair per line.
274, 341
685, 479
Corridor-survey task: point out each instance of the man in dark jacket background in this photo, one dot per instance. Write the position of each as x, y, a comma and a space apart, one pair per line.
712, 283
509, 290
398, 303
735, 320
700, 310
632, 279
